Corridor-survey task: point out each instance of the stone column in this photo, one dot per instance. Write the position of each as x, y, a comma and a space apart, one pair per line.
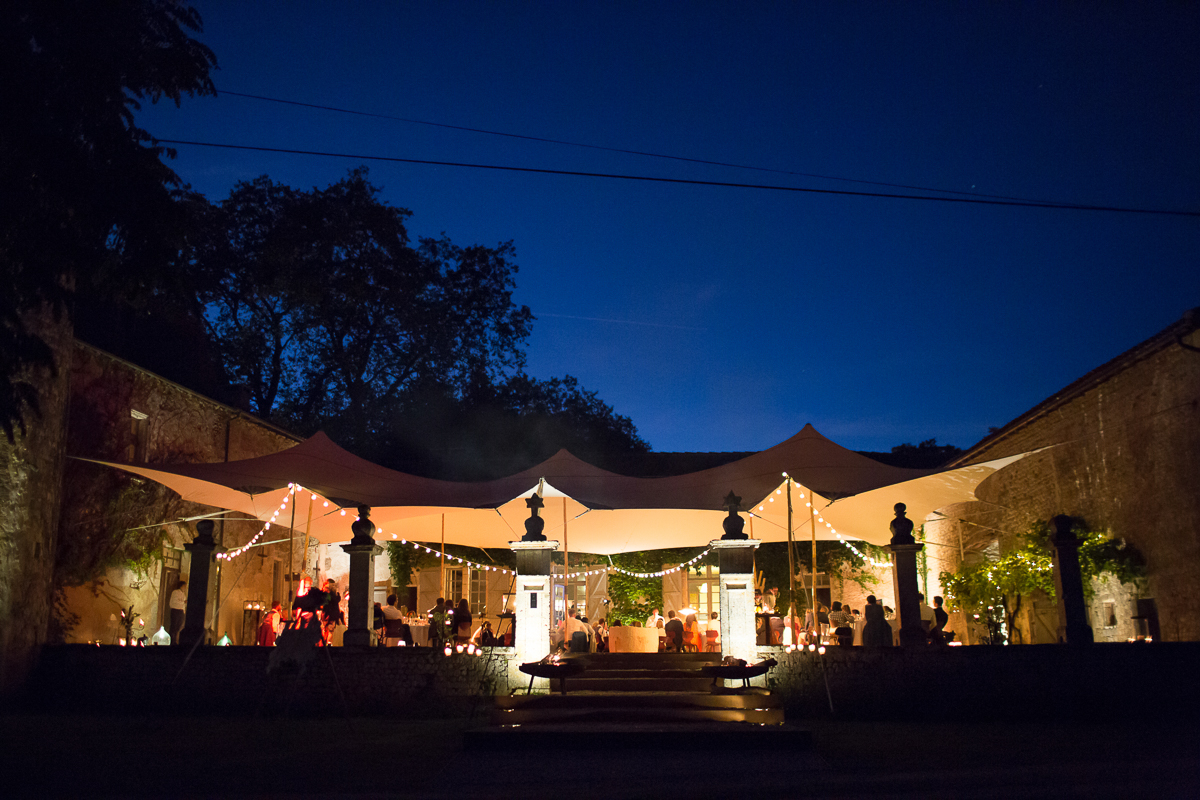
532, 606
202, 550
735, 550
1073, 625
904, 576
362, 550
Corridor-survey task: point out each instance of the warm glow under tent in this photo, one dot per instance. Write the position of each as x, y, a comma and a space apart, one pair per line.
603, 513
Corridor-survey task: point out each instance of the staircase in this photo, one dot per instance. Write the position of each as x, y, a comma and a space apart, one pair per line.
635, 700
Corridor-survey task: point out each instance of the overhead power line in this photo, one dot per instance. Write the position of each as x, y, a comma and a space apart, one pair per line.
618, 149
684, 181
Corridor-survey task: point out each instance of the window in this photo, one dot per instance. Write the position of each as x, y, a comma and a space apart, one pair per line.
704, 589
454, 585
478, 598
1110, 614
139, 428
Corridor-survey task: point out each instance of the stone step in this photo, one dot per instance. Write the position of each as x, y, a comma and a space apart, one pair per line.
587, 699
609, 673
637, 684
643, 738
635, 714
647, 660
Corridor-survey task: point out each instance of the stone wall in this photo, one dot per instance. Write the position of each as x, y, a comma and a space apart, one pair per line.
30, 490
171, 424
394, 681
1122, 451
1102, 682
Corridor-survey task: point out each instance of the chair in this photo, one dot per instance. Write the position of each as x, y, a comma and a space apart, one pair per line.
398, 629
712, 643
670, 645
579, 642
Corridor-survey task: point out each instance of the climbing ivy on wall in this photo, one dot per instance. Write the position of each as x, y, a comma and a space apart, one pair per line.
1005, 583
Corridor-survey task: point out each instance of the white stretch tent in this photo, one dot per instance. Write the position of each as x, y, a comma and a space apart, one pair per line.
605, 513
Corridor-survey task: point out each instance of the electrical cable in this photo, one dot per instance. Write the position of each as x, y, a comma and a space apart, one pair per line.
651, 179
612, 149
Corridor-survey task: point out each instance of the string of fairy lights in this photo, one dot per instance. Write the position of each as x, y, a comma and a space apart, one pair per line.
295, 488
820, 519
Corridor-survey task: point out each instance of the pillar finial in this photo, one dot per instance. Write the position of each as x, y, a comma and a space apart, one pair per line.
535, 524
902, 526
733, 524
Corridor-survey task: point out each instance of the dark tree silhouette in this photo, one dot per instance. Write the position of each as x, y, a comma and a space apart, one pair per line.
85, 199
331, 318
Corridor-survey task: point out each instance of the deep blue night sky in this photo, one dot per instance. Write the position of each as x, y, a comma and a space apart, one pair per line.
723, 318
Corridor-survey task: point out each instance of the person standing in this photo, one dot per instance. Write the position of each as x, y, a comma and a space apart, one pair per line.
940, 618
877, 632
462, 622
178, 603
928, 618
652, 620
674, 629
437, 623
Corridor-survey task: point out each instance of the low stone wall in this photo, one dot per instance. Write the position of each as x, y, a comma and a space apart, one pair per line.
977, 683
396, 681
1105, 681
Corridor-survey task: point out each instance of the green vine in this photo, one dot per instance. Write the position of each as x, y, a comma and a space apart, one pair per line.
1005, 583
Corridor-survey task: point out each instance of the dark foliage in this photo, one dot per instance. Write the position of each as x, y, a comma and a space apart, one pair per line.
926, 455
85, 200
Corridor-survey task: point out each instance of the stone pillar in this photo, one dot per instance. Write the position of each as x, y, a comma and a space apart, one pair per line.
735, 550
904, 577
1073, 625
202, 550
362, 550
532, 601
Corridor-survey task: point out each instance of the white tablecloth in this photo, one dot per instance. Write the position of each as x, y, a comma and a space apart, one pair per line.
627, 639
420, 634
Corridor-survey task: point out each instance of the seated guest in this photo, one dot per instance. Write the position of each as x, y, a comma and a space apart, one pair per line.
483, 636
842, 624
577, 633
691, 632
674, 629
391, 612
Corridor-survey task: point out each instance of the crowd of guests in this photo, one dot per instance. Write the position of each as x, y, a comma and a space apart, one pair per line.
447, 624
575, 634
318, 611
876, 625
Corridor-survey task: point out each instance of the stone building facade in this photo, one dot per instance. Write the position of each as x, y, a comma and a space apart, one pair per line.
1120, 448
121, 412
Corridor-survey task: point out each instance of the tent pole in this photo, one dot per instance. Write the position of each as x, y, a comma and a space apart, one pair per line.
292, 560
442, 571
791, 568
566, 567
307, 528
812, 519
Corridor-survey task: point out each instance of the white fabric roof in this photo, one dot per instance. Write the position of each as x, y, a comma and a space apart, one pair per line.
603, 512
